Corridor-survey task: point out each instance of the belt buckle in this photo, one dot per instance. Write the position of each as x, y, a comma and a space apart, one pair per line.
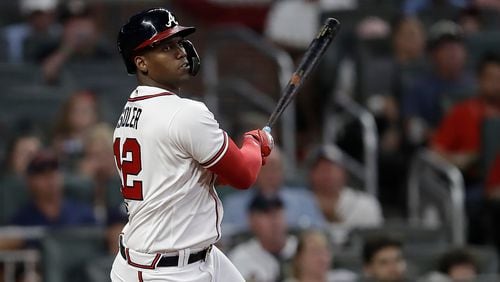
209, 249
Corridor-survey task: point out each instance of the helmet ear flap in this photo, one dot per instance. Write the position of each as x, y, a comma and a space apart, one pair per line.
192, 57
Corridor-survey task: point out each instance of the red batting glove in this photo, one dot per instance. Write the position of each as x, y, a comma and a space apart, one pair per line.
265, 140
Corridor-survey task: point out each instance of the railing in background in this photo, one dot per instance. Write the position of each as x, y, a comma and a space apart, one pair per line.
285, 65
452, 197
367, 172
28, 257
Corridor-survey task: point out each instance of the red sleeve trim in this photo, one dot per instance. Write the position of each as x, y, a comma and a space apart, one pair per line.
220, 153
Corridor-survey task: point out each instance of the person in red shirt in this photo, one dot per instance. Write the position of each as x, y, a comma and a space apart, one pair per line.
458, 137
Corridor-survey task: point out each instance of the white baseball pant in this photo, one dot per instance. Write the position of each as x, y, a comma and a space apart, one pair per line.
217, 268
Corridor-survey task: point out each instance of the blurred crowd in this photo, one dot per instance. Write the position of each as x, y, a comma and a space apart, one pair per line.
428, 71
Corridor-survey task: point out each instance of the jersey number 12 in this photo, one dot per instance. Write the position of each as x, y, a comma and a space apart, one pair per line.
129, 167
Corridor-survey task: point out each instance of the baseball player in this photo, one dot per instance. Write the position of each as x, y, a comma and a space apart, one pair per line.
169, 152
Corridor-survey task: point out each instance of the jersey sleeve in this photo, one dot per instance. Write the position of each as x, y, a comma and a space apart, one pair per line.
196, 132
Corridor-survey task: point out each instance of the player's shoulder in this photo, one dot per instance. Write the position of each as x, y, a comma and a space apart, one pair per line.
187, 108
191, 104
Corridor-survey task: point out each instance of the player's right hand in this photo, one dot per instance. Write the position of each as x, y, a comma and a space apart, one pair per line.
265, 139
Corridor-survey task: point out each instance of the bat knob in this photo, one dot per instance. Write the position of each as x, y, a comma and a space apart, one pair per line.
267, 129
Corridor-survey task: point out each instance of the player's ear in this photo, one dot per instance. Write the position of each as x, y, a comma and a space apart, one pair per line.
140, 64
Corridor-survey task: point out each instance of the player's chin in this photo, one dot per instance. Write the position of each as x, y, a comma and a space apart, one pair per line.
184, 75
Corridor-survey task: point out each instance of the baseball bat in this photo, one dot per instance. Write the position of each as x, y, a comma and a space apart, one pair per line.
308, 62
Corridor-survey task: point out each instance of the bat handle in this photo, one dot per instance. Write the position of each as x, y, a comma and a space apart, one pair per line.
267, 129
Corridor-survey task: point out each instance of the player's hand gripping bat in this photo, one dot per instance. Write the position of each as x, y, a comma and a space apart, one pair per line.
308, 62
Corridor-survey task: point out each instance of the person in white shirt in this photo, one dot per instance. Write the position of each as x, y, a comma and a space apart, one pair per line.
264, 257
344, 208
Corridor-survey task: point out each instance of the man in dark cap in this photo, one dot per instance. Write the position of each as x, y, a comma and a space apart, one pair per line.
262, 257
47, 206
444, 84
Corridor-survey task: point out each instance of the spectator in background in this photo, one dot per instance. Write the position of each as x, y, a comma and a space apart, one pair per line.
39, 29
313, 260
300, 206
470, 20
343, 207
77, 116
97, 164
488, 4
81, 41
249, 13
408, 45
47, 206
455, 265
413, 7
407, 59
462, 147
265, 256
283, 28
445, 84
20, 150
383, 260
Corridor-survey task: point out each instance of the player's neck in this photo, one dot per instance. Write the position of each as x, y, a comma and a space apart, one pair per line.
146, 81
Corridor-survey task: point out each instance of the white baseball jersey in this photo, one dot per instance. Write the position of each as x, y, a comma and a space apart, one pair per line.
163, 146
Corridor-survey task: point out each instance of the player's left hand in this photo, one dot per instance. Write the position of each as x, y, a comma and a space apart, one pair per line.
265, 140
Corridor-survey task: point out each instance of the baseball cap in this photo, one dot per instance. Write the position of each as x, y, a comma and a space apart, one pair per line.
444, 31
264, 203
43, 161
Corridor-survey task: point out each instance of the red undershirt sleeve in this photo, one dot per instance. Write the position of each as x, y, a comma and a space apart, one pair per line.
239, 167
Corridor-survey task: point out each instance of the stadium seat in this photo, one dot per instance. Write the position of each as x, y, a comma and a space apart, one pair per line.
13, 195
424, 259
35, 104
409, 235
490, 147
479, 43
348, 258
103, 78
98, 269
66, 252
108, 80
20, 74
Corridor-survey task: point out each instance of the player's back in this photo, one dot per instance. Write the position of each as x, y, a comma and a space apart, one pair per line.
160, 154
